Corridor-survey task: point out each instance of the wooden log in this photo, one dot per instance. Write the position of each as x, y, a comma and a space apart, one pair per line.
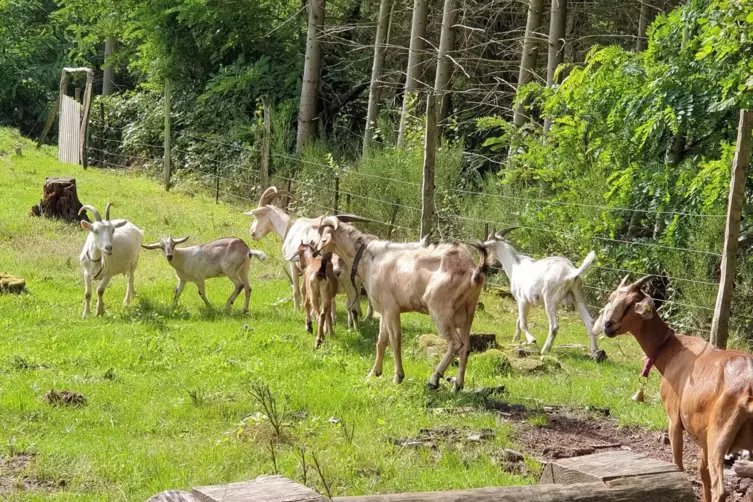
672, 487
173, 496
59, 200
262, 489
603, 467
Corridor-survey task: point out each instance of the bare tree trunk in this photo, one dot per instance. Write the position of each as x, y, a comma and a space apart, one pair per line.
108, 82
557, 25
530, 53
415, 60
444, 63
376, 74
430, 160
307, 113
642, 24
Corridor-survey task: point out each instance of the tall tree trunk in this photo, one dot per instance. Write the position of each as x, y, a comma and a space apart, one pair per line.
307, 113
415, 60
530, 53
376, 74
641, 43
557, 25
108, 82
444, 63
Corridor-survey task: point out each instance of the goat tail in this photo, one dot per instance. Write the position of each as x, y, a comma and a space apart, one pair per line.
259, 255
479, 274
588, 262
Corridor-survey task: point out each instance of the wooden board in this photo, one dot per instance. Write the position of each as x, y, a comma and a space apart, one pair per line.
603, 467
262, 489
69, 149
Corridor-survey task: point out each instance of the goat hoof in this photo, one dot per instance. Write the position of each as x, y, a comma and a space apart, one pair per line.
599, 356
398, 379
432, 385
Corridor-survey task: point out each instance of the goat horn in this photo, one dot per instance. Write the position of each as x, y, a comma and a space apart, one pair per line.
331, 221
641, 282
267, 196
502, 233
624, 281
107, 210
350, 218
94, 211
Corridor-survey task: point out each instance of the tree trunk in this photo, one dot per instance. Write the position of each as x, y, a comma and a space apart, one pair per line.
376, 74
444, 63
108, 82
641, 43
430, 157
59, 200
530, 53
557, 25
307, 114
415, 60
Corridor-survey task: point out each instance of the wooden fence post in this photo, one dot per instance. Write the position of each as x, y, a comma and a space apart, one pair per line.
430, 154
335, 206
50, 120
720, 323
167, 167
265, 139
85, 119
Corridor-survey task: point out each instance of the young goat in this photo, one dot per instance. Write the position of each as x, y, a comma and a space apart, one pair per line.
319, 289
442, 281
551, 281
111, 248
229, 257
706, 392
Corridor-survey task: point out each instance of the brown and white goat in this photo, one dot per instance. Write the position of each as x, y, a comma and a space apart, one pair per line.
319, 289
270, 218
706, 392
440, 280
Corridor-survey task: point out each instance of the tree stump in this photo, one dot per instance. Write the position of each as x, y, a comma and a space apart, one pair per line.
59, 200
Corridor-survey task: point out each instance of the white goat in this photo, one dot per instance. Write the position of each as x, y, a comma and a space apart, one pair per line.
228, 257
551, 281
270, 218
111, 248
440, 280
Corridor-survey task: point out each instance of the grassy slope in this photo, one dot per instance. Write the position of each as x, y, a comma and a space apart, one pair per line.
142, 432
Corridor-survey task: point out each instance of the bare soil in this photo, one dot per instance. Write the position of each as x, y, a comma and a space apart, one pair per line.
13, 477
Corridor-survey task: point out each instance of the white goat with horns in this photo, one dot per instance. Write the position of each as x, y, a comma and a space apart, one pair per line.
552, 281
111, 248
440, 280
270, 218
227, 257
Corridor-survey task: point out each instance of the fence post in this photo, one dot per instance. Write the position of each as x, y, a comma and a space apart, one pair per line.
167, 167
85, 119
336, 204
720, 323
430, 153
216, 184
265, 139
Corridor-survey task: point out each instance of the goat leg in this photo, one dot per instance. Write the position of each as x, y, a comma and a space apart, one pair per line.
100, 294
87, 295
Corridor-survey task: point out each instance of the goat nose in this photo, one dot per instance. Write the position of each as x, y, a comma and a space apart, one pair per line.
169, 257
108, 248
608, 324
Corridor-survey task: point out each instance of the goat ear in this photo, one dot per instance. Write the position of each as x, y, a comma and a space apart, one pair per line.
156, 245
645, 308
86, 225
119, 223
258, 211
180, 241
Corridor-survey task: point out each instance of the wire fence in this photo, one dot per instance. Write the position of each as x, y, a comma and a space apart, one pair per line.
223, 179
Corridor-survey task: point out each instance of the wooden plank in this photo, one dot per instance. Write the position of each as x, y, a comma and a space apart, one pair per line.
720, 322
672, 487
70, 127
603, 467
84, 128
262, 489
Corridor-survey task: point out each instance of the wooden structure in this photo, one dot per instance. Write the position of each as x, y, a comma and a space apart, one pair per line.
59, 200
605, 477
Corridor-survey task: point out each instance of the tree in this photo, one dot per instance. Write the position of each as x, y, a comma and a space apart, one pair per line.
307, 112
415, 60
108, 82
376, 73
529, 54
444, 62
557, 25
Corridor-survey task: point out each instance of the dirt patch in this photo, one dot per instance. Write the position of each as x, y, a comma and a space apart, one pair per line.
13, 476
557, 432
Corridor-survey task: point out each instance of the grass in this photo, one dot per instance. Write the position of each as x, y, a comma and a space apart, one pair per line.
169, 392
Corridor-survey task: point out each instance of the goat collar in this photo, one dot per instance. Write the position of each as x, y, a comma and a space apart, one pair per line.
354, 268
652, 359
101, 268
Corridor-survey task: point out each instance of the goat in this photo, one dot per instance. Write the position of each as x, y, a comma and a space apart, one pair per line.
439, 280
552, 281
319, 289
111, 248
268, 218
706, 392
228, 257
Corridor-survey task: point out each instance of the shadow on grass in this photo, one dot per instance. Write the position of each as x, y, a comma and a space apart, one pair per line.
363, 341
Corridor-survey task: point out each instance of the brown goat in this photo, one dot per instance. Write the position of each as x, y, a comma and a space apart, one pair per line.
319, 289
706, 392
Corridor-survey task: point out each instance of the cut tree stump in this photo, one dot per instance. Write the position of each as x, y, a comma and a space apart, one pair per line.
59, 200
262, 489
10, 284
603, 467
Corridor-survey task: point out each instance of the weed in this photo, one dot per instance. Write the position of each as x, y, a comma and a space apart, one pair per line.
265, 398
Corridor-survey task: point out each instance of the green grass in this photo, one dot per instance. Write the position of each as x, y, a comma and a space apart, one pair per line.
168, 389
